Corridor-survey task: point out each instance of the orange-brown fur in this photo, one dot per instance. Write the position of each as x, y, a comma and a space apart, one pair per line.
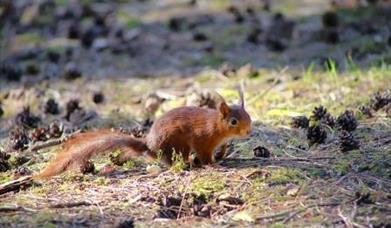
182, 130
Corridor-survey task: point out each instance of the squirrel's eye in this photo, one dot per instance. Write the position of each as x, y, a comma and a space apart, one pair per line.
233, 121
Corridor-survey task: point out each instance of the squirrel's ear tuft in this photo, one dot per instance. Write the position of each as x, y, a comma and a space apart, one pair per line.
224, 109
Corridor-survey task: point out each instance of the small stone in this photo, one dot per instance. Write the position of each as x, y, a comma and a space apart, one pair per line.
107, 170
227, 70
247, 70
153, 170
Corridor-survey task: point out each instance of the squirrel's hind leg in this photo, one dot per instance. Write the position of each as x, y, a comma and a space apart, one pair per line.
83, 166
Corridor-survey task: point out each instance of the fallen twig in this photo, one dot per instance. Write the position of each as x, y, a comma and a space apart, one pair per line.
17, 208
50, 143
242, 162
71, 204
15, 185
280, 159
46, 144
183, 199
293, 213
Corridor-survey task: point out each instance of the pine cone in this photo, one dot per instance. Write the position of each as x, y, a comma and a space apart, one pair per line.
4, 155
55, 131
26, 119
138, 132
328, 119
379, 100
51, 107
261, 151
98, 97
22, 171
348, 142
366, 111
19, 139
39, 134
71, 106
4, 164
89, 167
347, 121
387, 109
316, 134
10, 71
128, 223
300, 122
318, 113
330, 19
1, 111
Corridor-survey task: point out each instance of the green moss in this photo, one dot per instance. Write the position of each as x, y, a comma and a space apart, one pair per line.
208, 185
278, 225
316, 172
61, 2
101, 181
128, 20
131, 164
284, 176
212, 60
356, 14
342, 168
73, 176
44, 217
32, 39
5, 177
178, 163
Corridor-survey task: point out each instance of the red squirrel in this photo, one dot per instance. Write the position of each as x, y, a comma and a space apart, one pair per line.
184, 130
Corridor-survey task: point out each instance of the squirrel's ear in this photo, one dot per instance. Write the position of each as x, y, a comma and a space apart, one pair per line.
224, 109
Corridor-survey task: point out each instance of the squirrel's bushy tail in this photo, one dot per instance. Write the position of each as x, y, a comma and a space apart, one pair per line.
77, 151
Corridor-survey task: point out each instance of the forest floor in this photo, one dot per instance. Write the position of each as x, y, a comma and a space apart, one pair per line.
334, 170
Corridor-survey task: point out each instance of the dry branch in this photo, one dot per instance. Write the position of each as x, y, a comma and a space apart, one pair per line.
15, 185
71, 204
293, 213
16, 208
